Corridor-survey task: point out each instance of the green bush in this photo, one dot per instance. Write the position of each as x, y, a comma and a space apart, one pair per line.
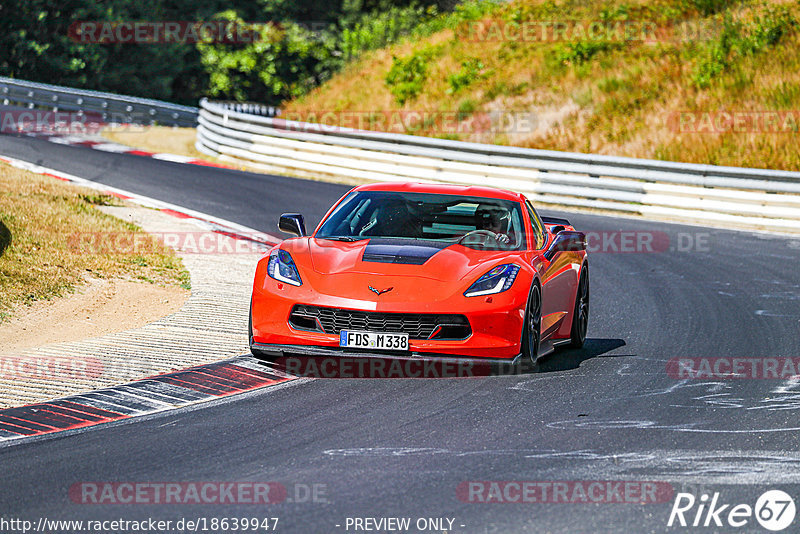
471, 70
612, 85
378, 29
579, 52
784, 95
285, 62
466, 108
742, 39
708, 7
766, 31
407, 75
713, 62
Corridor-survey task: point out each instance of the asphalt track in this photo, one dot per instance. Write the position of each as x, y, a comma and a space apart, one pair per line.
400, 448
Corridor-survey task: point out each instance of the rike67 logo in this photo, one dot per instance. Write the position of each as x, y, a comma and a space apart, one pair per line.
774, 510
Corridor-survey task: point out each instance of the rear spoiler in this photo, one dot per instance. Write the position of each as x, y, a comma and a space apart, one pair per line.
555, 220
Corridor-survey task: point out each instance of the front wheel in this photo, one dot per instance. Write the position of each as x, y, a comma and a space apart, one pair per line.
250, 331
532, 328
250, 323
580, 317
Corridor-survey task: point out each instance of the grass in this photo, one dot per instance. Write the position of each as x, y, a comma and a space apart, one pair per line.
40, 219
593, 95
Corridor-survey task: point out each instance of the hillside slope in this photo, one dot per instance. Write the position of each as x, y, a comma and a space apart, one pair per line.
704, 81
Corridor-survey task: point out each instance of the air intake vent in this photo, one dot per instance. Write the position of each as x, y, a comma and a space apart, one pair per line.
416, 325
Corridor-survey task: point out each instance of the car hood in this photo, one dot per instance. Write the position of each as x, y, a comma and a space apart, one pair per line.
393, 257
396, 274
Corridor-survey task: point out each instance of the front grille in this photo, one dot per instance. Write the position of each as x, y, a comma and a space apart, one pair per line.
416, 325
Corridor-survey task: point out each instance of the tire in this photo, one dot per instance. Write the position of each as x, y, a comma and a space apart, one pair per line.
532, 328
580, 316
250, 324
250, 331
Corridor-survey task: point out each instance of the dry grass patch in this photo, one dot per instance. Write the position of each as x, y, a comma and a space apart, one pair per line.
612, 97
161, 139
157, 139
40, 221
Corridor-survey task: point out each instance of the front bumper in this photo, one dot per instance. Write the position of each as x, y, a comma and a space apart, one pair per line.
332, 362
496, 330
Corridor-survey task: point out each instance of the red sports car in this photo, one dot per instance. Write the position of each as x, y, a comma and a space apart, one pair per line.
412, 270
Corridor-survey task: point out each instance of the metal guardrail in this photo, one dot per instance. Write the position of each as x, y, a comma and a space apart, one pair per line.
112, 108
249, 108
730, 196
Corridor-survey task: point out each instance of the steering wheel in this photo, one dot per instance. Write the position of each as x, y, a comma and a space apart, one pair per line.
481, 237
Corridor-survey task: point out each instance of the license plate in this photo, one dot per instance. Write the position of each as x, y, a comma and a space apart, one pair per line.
373, 340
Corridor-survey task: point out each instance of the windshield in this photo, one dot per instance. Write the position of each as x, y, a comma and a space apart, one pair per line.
475, 222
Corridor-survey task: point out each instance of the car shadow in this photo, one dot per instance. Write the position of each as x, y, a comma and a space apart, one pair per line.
383, 367
5, 238
564, 360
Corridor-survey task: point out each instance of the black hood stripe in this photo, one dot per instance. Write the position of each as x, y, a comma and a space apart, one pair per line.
406, 251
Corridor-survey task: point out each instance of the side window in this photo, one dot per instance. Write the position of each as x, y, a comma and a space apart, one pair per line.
537, 226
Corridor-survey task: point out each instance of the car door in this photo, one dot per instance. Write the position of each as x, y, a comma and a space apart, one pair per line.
558, 277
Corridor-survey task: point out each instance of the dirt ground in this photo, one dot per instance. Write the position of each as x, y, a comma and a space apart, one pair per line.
102, 306
158, 139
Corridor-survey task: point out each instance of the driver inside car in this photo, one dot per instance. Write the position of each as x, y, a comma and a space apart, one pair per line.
494, 219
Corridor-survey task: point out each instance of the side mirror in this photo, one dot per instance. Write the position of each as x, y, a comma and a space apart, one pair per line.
566, 241
556, 229
292, 223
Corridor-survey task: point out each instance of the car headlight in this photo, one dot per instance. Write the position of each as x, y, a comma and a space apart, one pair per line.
281, 267
497, 280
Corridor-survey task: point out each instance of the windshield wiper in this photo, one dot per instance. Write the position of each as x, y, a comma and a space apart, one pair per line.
348, 238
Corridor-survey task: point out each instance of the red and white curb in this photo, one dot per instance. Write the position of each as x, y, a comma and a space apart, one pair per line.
203, 220
143, 397
159, 393
108, 146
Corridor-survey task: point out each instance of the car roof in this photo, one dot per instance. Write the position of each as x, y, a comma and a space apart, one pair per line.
443, 189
